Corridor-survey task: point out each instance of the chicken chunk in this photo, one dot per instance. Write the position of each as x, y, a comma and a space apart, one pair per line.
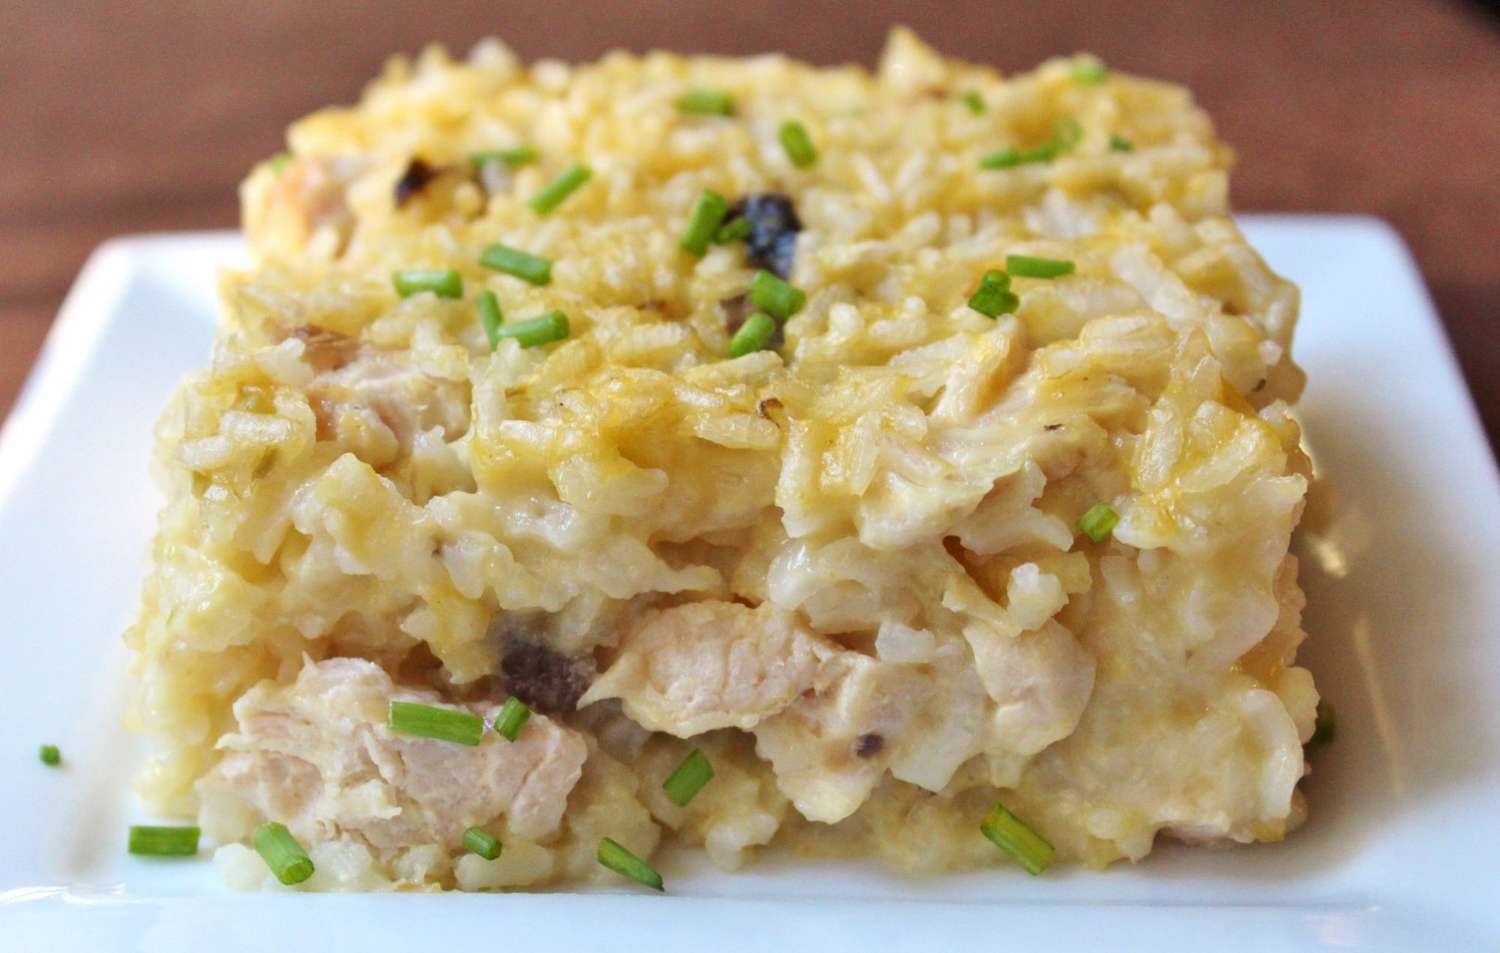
707, 665
823, 748
318, 756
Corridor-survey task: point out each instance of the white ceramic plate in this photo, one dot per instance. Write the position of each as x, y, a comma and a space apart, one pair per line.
1404, 613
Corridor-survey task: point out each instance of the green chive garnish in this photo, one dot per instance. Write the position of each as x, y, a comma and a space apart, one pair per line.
993, 297
481, 842
974, 101
734, 230
1089, 72
566, 183
281, 852
703, 223
753, 335
444, 724
1326, 727
798, 144
279, 162
552, 326
163, 841
490, 317
775, 297
445, 284
1118, 143
694, 772
1025, 266
706, 102
513, 261
50, 755
622, 861
1099, 521
1064, 137
1012, 835
512, 718
520, 155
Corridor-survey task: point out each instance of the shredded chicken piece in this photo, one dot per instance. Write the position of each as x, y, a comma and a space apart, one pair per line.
707, 665
317, 756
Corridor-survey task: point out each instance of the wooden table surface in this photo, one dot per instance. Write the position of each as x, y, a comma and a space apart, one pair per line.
139, 116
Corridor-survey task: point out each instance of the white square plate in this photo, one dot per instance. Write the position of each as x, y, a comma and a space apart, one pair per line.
1404, 613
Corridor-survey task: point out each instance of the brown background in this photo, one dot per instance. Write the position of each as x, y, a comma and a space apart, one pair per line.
137, 116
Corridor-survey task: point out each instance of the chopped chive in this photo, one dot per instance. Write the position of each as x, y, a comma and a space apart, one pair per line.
622, 861
163, 841
513, 261
490, 317
552, 326
753, 335
683, 784
734, 230
279, 162
1010, 834
281, 852
1089, 72
974, 101
566, 183
1118, 143
1326, 727
444, 724
1025, 266
703, 101
1099, 521
512, 718
482, 842
1004, 158
798, 144
703, 222
520, 155
775, 297
993, 297
50, 755
1065, 136
445, 284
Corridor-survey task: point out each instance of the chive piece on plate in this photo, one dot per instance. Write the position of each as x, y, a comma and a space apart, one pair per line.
279, 162
482, 842
445, 283
683, 784
1099, 521
552, 326
734, 230
553, 193
50, 755
520, 155
770, 294
993, 297
1025, 266
798, 144
974, 101
150, 841
490, 317
703, 101
444, 724
1326, 727
1089, 72
703, 223
1118, 143
1065, 136
753, 335
512, 718
622, 861
524, 265
1011, 835
281, 852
